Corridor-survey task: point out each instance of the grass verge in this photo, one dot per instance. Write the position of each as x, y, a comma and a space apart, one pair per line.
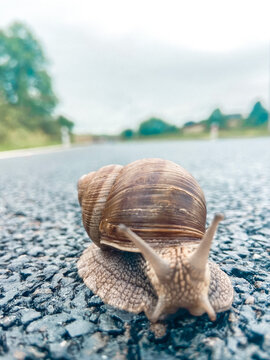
23, 139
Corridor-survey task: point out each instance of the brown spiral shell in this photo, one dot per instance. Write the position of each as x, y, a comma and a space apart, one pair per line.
93, 192
157, 199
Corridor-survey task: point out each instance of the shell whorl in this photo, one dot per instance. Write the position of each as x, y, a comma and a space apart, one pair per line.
158, 200
93, 191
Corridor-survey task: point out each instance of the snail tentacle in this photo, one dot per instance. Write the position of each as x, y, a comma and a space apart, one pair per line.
157, 311
205, 303
160, 266
199, 257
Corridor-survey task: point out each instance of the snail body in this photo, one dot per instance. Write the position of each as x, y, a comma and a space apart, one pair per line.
150, 248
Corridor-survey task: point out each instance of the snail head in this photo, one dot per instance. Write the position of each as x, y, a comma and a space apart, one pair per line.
183, 283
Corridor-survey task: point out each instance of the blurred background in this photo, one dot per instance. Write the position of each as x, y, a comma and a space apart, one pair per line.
85, 71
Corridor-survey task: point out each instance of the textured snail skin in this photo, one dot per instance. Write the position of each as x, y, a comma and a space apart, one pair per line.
157, 263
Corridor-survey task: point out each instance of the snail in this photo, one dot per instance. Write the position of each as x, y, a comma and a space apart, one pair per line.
150, 248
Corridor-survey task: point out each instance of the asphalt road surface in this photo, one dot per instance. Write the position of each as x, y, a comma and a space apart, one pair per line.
47, 312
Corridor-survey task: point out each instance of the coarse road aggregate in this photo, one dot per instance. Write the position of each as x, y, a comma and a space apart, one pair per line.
46, 311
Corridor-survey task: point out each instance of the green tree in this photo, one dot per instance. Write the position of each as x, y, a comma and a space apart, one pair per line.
258, 116
155, 126
127, 134
189, 123
24, 79
218, 118
63, 121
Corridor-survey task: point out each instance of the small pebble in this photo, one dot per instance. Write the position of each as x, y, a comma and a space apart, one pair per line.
250, 300
80, 327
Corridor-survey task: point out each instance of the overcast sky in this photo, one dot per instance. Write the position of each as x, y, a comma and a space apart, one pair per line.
117, 62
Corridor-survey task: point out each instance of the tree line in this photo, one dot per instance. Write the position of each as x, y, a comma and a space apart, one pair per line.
258, 118
27, 99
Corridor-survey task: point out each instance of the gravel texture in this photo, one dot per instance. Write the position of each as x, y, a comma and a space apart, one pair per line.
47, 312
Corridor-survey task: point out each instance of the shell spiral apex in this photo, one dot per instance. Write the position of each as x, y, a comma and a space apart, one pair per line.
150, 252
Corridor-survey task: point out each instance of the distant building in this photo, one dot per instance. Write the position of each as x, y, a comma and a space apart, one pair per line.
83, 138
234, 120
193, 128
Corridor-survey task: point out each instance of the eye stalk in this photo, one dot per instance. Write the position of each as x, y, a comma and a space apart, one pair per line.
160, 266
199, 258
